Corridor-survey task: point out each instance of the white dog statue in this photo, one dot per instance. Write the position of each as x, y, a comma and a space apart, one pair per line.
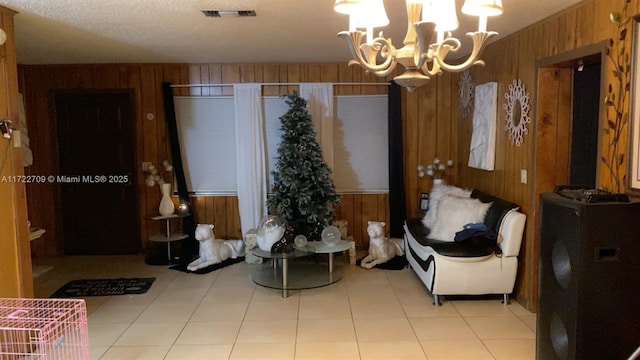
214, 251
381, 249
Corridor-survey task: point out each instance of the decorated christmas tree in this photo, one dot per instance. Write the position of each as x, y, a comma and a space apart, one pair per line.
303, 192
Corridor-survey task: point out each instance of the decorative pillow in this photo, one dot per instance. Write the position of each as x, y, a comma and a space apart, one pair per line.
454, 213
438, 192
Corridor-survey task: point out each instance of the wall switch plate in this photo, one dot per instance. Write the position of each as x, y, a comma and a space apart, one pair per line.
523, 176
17, 140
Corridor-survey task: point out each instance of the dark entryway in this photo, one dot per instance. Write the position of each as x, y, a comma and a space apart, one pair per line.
96, 148
584, 132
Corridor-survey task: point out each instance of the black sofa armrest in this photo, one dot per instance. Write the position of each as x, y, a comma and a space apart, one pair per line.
454, 249
498, 209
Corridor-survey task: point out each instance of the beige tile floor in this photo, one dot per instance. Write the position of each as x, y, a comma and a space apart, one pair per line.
369, 314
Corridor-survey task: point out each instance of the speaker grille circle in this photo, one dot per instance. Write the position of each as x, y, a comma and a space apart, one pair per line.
559, 337
561, 264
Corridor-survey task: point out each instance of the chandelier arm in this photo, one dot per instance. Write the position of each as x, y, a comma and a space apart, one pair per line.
379, 46
479, 43
438, 51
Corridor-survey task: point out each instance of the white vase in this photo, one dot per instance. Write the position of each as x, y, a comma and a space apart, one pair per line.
166, 204
437, 182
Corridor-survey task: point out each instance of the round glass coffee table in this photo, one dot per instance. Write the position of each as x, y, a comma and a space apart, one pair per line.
298, 275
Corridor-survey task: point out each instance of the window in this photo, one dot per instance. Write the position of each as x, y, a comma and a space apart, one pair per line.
207, 138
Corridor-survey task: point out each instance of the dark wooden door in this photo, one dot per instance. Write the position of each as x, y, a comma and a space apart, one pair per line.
96, 148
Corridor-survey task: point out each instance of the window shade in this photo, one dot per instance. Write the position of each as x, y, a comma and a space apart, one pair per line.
207, 137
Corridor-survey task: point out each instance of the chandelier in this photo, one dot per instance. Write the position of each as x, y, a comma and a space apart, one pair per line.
421, 56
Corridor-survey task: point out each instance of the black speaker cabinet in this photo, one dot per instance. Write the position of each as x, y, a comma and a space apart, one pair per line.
589, 279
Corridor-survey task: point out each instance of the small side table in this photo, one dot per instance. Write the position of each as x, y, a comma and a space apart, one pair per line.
167, 237
279, 279
320, 247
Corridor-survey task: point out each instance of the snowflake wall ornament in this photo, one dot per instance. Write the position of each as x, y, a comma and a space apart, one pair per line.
466, 90
517, 116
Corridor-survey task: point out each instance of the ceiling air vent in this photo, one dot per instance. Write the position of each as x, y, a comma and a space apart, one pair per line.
229, 13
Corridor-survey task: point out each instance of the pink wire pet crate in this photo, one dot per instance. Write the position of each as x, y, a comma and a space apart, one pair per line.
43, 329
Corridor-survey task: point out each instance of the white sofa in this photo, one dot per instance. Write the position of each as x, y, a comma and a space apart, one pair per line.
459, 268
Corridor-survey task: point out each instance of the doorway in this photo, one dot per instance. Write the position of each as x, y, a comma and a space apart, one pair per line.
554, 125
96, 149
584, 130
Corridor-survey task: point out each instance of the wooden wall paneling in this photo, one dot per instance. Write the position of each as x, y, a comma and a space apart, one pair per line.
454, 138
233, 217
150, 143
359, 234
369, 210
450, 114
545, 147
528, 70
547, 130
567, 29
163, 151
504, 157
551, 38
329, 73
215, 77
519, 194
428, 139
33, 192
271, 74
601, 23
217, 212
108, 76
383, 210
182, 71
209, 214
510, 177
344, 211
15, 267
10, 274
195, 78
345, 75
36, 194
205, 75
527, 282
200, 209
369, 89
230, 75
251, 73
563, 145
283, 78
293, 76
314, 73
134, 81
357, 76
584, 25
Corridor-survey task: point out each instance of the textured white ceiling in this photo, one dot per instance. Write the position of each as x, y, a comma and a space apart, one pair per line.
176, 31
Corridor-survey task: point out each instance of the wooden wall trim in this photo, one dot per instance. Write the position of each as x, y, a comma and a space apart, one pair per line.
15, 257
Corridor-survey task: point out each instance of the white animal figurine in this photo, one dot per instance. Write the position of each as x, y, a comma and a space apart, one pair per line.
214, 251
381, 249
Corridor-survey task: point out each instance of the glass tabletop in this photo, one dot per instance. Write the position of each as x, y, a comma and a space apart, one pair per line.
297, 253
319, 247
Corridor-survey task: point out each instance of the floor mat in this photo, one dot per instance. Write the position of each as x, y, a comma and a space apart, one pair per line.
103, 287
395, 263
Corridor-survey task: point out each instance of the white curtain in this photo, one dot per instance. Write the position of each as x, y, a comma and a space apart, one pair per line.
482, 154
251, 154
319, 98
